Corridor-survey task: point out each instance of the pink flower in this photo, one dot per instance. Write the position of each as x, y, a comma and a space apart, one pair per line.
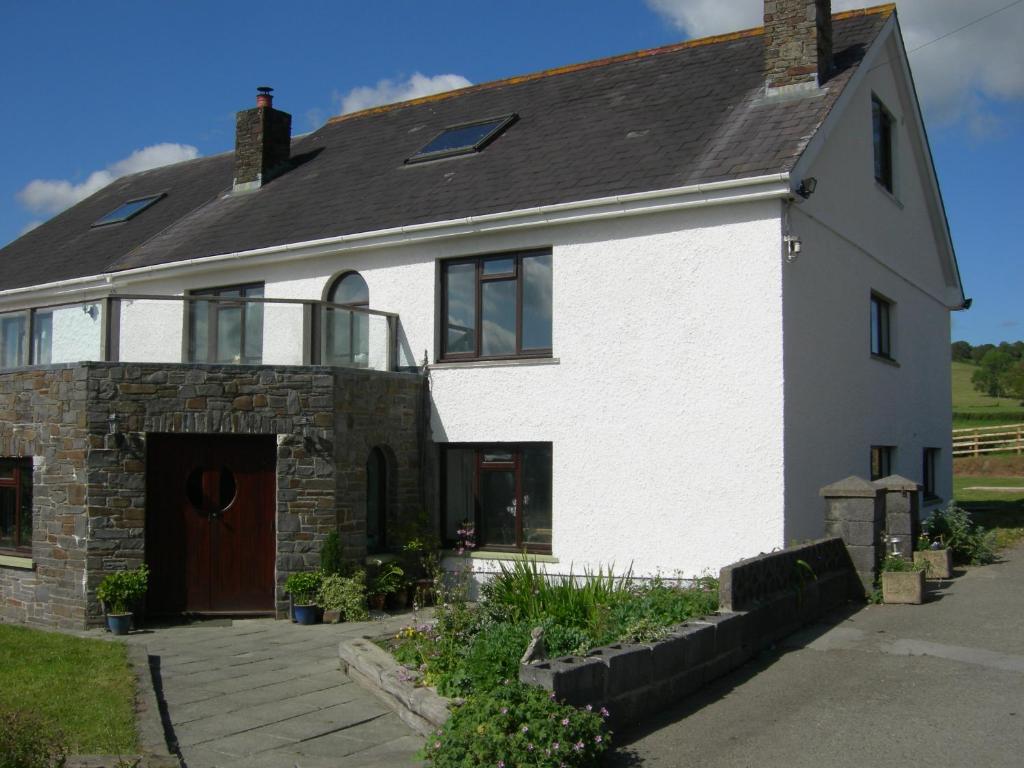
598, 739
504, 710
578, 746
565, 721
555, 746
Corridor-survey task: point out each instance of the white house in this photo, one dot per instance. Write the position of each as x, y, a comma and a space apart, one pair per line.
659, 300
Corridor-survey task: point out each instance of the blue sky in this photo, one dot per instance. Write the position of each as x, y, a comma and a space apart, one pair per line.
93, 90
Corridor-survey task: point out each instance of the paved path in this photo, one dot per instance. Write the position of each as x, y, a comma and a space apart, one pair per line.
264, 693
936, 684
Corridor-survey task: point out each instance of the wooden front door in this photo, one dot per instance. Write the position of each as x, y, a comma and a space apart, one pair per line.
210, 503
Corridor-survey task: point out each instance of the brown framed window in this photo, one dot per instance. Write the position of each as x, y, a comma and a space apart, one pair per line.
881, 461
882, 124
929, 459
503, 491
16, 505
226, 331
348, 332
881, 326
495, 307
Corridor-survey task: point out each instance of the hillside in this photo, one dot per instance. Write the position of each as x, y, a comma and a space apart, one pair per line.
972, 408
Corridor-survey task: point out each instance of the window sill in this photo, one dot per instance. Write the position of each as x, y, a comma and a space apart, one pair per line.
483, 554
494, 363
16, 561
884, 359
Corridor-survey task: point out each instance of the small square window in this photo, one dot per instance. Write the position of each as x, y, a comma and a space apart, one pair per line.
929, 460
882, 124
128, 210
462, 139
16, 505
881, 461
881, 327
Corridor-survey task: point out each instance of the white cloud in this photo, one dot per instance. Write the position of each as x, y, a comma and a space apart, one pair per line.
50, 196
954, 76
391, 91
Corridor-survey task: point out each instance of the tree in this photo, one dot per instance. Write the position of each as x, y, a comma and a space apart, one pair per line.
961, 352
990, 377
1014, 381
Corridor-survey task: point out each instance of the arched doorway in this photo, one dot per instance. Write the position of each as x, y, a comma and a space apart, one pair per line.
347, 332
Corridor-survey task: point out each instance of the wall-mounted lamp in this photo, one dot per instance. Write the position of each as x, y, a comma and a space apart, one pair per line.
807, 187
91, 310
793, 247
112, 423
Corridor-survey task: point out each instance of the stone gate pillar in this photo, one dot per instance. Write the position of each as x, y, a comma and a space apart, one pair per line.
902, 512
856, 514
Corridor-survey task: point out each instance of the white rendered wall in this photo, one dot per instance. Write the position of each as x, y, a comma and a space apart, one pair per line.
151, 330
664, 402
77, 334
857, 238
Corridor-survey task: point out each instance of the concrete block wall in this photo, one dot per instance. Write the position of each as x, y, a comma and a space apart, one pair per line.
777, 597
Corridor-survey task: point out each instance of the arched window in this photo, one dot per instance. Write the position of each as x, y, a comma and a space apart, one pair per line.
348, 332
376, 501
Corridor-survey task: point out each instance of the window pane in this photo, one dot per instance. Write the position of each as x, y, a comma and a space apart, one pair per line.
8, 517
461, 294
253, 333
25, 540
536, 473
360, 339
497, 456
537, 302
498, 508
199, 331
12, 338
350, 289
499, 318
459, 467
339, 351
42, 338
499, 266
229, 334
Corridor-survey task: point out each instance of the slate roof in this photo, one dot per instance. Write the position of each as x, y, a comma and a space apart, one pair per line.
679, 115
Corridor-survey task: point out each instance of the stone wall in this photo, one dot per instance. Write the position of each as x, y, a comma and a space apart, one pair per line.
90, 483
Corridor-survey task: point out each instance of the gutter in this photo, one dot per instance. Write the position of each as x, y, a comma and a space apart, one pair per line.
768, 187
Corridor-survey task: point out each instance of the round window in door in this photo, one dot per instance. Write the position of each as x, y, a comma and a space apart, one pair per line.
211, 490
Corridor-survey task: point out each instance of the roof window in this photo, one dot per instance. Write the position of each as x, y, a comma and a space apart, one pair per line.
463, 139
127, 210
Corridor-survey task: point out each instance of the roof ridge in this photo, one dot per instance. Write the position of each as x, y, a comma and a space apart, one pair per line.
885, 10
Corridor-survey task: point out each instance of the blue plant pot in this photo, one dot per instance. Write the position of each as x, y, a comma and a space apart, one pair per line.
120, 624
305, 614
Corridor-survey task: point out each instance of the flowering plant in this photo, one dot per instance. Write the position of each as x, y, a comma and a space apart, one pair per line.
466, 536
518, 725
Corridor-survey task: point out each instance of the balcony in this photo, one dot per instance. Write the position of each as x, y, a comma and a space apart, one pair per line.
224, 329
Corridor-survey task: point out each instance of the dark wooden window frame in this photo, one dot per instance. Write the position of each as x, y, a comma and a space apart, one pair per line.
516, 466
885, 453
929, 458
19, 466
881, 335
480, 278
214, 307
882, 123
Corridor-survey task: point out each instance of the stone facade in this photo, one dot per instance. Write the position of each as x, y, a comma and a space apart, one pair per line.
797, 42
262, 144
86, 425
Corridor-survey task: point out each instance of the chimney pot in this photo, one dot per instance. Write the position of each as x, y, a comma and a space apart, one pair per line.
264, 97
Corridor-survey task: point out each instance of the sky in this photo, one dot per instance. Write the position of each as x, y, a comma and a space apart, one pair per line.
94, 90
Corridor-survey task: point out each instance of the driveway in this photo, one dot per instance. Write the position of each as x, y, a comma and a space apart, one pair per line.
260, 692
936, 684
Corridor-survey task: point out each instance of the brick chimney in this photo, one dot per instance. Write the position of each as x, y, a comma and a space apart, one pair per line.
797, 42
263, 137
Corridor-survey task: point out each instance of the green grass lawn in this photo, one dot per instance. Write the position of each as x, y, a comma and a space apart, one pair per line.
1001, 511
84, 688
976, 409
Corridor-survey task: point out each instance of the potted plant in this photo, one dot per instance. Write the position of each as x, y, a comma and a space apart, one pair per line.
902, 581
120, 592
384, 582
303, 587
936, 558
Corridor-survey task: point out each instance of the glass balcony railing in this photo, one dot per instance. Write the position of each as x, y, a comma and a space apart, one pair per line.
232, 327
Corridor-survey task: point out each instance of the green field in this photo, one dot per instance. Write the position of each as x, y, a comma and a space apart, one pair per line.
976, 409
83, 688
999, 511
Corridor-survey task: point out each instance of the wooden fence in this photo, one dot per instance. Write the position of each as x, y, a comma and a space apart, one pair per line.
974, 441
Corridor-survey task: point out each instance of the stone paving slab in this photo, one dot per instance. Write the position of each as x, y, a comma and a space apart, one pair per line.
266, 693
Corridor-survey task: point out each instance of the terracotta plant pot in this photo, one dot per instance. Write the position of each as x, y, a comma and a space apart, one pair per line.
903, 587
399, 598
376, 601
938, 563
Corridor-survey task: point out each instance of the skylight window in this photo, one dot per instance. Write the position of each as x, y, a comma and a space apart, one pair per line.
463, 139
127, 210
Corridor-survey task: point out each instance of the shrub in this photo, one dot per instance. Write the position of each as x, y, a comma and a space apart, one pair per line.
346, 595
120, 590
331, 562
27, 742
969, 542
518, 725
897, 564
303, 586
